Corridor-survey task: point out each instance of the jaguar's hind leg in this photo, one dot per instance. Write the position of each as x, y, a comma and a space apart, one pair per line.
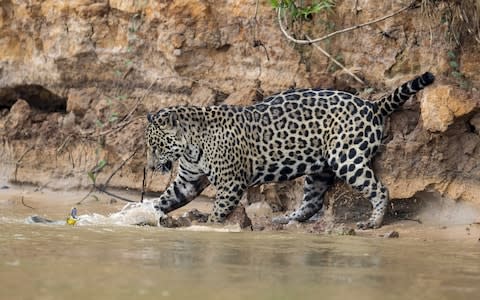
314, 189
361, 177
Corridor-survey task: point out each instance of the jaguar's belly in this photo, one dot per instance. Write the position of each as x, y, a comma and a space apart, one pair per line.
286, 169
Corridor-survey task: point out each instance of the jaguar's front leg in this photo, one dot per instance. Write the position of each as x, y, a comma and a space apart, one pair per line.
228, 196
186, 186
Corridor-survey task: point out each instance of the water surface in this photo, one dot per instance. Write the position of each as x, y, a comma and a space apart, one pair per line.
64, 262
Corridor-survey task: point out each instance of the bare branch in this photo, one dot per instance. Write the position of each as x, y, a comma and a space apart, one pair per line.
23, 202
19, 160
143, 184
119, 167
336, 62
311, 41
103, 190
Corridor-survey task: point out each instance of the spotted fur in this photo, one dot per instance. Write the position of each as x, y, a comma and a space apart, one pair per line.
314, 132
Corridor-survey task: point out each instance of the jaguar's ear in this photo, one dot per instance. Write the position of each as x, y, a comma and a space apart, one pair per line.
167, 118
150, 117
173, 119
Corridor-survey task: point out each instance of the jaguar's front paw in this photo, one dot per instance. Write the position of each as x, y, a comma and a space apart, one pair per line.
370, 224
214, 219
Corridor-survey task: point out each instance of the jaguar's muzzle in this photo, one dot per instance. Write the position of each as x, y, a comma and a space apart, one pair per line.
165, 167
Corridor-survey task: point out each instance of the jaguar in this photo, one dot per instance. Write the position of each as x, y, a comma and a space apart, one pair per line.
317, 133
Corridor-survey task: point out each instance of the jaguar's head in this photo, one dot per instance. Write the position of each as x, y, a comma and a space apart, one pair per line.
164, 140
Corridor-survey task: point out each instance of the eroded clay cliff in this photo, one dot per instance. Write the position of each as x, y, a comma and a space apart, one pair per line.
77, 77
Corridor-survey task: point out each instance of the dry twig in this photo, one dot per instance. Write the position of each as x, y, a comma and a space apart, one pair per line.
103, 187
119, 167
23, 202
311, 41
336, 61
19, 160
143, 184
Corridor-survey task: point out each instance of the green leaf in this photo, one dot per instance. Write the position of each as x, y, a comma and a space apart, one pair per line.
99, 123
457, 74
102, 163
327, 5
113, 117
464, 84
274, 3
92, 176
451, 54
453, 64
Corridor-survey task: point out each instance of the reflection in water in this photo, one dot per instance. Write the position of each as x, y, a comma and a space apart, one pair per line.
45, 262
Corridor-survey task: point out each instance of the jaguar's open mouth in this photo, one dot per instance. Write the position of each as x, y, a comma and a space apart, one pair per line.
165, 167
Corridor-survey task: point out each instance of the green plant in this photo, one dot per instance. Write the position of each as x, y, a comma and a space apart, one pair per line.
300, 10
460, 78
92, 174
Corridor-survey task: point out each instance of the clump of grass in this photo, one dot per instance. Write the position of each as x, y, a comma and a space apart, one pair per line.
460, 78
462, 17
303, 10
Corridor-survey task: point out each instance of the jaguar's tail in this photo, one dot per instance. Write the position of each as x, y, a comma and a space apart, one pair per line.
390, 103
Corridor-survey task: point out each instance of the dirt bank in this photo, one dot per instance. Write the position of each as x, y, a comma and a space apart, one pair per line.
77, 77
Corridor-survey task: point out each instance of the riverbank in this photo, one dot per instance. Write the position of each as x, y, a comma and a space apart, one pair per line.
456, 221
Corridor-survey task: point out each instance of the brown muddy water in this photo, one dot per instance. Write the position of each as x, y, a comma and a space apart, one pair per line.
127, 262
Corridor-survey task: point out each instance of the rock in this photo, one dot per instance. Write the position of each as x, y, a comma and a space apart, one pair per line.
277, 226
237, 217
243, 96
340, 229
259, 209
196, 215
344, 230
258, 227
475, 122
95, 9
240, 217
281, 195
391, 235
441, 104
168, 222
177, 40
129, 6
206, 96
293, 225
79, 100
19, 115
68, 121
184, 222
